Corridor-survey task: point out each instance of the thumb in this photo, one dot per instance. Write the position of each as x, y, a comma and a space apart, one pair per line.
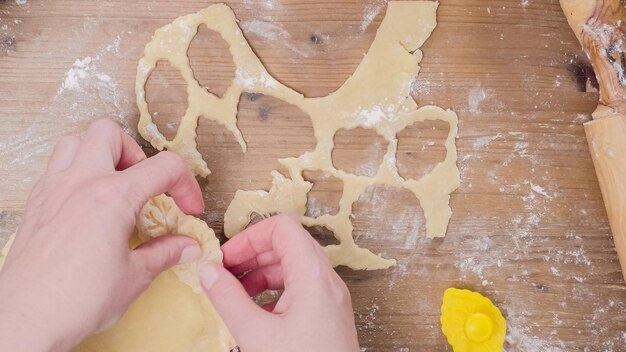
162, 253
230, 300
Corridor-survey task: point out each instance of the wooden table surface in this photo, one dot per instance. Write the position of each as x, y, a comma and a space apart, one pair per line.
529, 228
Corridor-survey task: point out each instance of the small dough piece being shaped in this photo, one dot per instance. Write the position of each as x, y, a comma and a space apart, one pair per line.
162, 217
172, 315
377, 96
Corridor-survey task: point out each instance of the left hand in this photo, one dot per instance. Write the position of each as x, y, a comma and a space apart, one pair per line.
70, 272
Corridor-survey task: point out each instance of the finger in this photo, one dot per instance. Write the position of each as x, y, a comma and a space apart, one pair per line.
263, 279
165, 172
131, 153
284, 235
263, 259
106, 145
259, 238
63, 154
162, 253
230, 300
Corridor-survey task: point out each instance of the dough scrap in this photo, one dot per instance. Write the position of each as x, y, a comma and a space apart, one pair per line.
377, 96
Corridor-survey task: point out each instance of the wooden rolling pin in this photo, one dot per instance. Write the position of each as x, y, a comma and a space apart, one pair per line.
600, 27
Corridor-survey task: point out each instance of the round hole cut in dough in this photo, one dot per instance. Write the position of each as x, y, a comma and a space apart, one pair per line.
377, 96
172, 315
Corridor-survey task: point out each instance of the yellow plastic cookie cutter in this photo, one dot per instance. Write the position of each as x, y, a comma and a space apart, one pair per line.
471, 322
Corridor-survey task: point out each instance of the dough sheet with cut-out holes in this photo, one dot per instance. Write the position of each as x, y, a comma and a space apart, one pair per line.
377, 96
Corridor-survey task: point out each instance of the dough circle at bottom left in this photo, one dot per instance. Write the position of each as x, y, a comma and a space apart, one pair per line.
168, 317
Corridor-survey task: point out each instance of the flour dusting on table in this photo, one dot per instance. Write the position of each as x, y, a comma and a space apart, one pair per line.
272, 31
86, 91
90, 90
371, 12
475, 98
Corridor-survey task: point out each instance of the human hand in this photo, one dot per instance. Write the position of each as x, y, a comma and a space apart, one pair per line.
70, 272
314, 312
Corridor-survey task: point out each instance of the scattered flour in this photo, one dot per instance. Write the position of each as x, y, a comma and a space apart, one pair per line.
475, 97
77, 73
484, 141
266, 30
21, 149
84, 72
86, 91
370, 118
273, 31
525, 224
370, 14
519, 339
539, 190
577, 256
555, 271
89, 90
249, 81
421, 87
581, 119
368, 169
370, 317
21, 2
315, 208
266, 4
474, 261
368, 323
520, 336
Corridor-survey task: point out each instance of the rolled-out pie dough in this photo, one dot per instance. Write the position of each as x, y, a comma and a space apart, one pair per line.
376, 96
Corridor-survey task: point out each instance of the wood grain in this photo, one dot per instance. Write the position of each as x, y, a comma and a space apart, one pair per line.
529, 229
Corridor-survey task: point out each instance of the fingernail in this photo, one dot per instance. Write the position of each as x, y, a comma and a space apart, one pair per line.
190, 254
208, 276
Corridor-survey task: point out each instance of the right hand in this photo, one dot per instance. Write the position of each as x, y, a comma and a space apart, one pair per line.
314, 312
